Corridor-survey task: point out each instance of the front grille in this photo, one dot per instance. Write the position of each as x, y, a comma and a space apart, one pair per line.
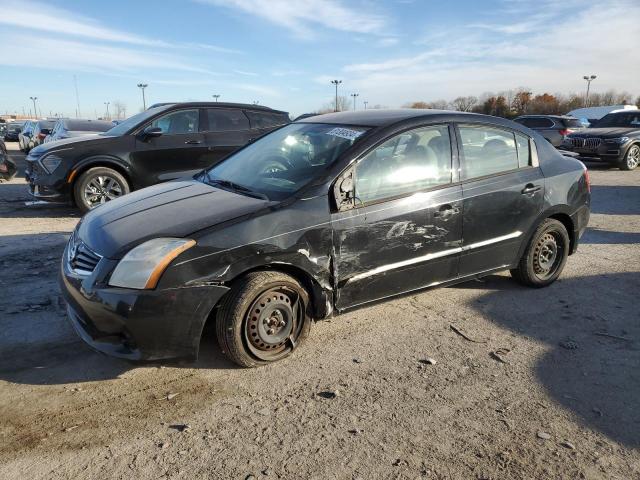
589, 142
82, 259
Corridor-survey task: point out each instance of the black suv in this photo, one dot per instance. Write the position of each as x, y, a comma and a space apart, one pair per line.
615, 139
162, 143
554, 128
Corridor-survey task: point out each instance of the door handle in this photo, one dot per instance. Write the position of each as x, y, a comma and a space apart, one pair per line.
530, 188
193, 142
445, 211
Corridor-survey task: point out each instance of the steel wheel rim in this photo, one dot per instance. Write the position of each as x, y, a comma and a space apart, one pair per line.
633, 157
101, 189
274, 322
547, 255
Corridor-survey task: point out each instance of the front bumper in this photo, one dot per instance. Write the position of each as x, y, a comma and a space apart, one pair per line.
606, 152
43, 186
136, 324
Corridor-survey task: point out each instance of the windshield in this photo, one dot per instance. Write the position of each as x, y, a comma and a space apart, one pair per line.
282, 162
132, 122
624, 120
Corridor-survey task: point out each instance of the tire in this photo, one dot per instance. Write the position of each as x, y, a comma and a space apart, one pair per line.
106, 183
545, 256
243, 326
632, 158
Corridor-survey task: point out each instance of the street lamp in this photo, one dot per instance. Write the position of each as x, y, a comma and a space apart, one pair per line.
365, 104
336, 83
354, 95
107, 104
35, 112
216, 97
589, 79
142, 86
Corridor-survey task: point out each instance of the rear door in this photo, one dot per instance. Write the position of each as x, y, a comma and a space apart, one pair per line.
179, 152
406, 230
503, 191
226, 130
264, 122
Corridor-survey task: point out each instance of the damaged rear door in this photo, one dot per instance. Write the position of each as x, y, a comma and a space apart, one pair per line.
403, 228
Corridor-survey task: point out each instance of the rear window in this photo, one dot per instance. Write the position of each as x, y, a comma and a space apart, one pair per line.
267, 119
536, 122
572, 123
226, 120
88, 126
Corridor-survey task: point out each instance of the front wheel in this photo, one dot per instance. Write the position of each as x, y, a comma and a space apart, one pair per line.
545, 256
263, 318
98, 185
631, 159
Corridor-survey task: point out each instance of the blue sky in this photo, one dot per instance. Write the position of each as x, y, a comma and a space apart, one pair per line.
283, 53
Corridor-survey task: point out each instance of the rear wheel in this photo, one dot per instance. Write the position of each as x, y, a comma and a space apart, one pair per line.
631, 159
99, 185
263, 318
545, 256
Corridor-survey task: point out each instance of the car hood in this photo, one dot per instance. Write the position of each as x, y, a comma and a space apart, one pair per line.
66, 143
612, 132
173, 209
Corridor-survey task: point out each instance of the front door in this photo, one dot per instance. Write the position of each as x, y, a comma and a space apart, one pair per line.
503, 191
179, 152
406, 228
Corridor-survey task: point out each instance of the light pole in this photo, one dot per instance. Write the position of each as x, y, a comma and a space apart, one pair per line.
589, 79
354, 95
142, 86
365, 104
35, 112
216, 96
107, 104
336, 83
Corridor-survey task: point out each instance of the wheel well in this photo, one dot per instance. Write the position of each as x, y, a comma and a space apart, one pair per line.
112, 166
568, 224
318, 296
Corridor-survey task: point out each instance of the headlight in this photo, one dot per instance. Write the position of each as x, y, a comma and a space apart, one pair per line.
143, 266
619, 140
50, 162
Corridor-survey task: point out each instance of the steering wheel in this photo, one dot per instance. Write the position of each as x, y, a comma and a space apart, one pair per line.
274, 164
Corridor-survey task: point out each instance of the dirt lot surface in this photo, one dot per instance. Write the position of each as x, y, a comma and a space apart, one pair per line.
389, 391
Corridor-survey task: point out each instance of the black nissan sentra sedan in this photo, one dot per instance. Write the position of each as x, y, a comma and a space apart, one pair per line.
321, 216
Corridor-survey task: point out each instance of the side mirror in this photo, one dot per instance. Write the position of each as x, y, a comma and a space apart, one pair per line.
151, 132
344, 191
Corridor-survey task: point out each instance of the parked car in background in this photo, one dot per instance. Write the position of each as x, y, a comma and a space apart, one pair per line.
160, 144
552, 127
7, 166
73, 127
592, 114
614, 139
24, 138
364, 206
41, 129
13, 131
3, 129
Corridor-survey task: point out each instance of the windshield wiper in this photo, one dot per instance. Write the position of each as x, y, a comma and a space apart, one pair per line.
236, 187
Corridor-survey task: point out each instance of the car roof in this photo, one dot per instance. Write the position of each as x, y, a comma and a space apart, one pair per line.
563, 117
384, 118
246, 106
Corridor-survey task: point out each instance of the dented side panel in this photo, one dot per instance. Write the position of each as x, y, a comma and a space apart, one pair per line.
396, 246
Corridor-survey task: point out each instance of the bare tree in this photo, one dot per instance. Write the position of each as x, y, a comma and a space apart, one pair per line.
464, 104
120, 109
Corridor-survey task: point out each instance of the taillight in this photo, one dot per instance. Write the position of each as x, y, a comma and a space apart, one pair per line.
587, 179
41, 136
565, 131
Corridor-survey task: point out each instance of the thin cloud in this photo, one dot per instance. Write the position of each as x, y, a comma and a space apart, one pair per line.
301, 16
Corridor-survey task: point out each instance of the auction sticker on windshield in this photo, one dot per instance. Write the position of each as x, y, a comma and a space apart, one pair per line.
345, 133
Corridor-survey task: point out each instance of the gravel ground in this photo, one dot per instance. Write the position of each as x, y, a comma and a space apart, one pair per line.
389, 391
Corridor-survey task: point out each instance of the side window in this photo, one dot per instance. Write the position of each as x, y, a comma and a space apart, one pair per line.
266, 119
524, 151
408, 162
486, 150
182, 121
224, 120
